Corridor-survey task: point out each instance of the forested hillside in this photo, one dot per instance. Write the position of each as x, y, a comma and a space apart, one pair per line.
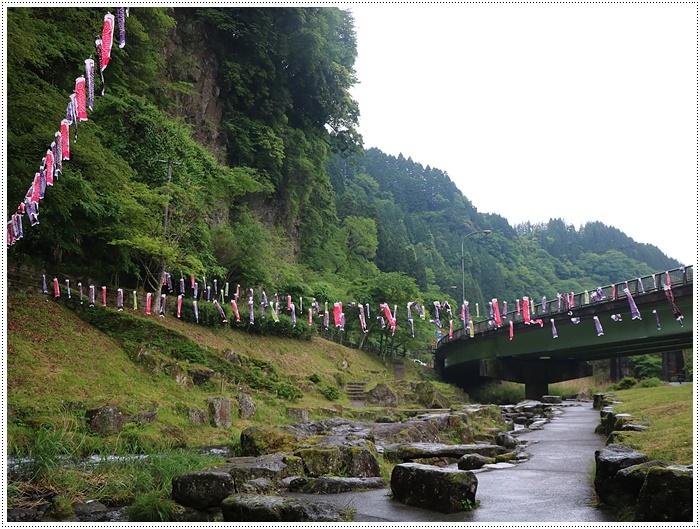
226, 146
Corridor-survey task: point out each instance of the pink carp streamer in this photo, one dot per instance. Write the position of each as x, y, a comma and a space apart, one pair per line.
496, 313
107, 40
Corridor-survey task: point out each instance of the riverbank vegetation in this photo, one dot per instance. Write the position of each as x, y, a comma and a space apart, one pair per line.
668, 412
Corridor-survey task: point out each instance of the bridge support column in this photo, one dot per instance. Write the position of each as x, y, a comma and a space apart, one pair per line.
535, 390
620, 368
672, 364
536, 374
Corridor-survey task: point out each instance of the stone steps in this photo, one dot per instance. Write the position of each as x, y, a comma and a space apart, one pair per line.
355, 390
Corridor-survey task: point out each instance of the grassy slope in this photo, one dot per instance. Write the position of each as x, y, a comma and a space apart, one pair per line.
54, 359
668, 411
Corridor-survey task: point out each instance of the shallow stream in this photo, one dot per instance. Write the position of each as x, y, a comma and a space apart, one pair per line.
554, 484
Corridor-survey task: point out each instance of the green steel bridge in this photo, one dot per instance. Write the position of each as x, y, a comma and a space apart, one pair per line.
534, 357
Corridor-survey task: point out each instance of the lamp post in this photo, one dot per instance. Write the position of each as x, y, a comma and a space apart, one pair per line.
485, 232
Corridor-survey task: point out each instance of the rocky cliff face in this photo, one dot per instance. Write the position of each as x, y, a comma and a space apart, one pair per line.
193, 69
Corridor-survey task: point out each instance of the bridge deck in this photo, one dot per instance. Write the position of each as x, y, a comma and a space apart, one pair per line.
580, 341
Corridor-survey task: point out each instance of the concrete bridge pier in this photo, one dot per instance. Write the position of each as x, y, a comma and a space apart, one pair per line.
536, 374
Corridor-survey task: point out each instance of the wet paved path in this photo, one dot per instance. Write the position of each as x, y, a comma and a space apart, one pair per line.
554, 485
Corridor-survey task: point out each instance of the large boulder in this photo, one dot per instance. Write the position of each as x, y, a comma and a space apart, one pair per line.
254, 508
439, 489
426, 395
382, 395
473, 461
611, 421
601, 400
202, 490
220, 411
298, 414
359, 462
608, 462
629, 481
201, 376
246, 406
406, 432
106, 420
260, 440
666, 496
274, 467
321, 461
507, 441
197, 416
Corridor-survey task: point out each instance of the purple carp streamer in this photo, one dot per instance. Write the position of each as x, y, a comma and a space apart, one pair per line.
363, 324
293, 310
598, 326
90, 82
633, 306
658, 323
411, 305
221, 312
554, 329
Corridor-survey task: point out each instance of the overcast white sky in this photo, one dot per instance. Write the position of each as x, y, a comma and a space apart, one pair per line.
577, 111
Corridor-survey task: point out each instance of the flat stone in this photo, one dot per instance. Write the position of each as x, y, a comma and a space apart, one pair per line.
412, 451
335, 485
255, 508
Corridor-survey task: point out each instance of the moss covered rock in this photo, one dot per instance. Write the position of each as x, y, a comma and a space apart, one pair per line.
260, 440
666, 496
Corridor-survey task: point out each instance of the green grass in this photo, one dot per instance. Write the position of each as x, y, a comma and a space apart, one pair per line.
58, 367
668, 411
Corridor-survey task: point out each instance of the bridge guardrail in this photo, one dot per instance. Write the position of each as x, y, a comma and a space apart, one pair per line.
641, 285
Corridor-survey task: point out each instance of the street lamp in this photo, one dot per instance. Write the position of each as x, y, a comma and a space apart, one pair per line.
485, 232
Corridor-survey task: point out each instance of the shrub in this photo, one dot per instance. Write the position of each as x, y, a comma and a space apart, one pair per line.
625, 383
314, 378
331, 393
652, 382
288, 391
